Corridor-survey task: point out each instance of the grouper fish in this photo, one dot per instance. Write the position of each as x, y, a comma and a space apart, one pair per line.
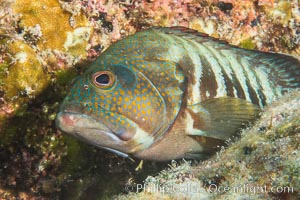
169, 93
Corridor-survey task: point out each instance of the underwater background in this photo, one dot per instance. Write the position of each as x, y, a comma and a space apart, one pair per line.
45, 44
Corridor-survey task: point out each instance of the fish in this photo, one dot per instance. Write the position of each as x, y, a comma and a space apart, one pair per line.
171, 92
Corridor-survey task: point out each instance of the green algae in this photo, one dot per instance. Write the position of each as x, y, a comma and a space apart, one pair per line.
64, 77
8, 136
247, 44
75, 154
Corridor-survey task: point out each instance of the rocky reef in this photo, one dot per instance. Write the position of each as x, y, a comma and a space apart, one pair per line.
46, 44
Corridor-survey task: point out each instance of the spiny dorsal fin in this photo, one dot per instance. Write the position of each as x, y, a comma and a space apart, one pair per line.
190, 34
225, 116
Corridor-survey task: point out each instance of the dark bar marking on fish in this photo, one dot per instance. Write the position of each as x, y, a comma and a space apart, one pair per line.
183, 84
253, 96
262, 97
272, 83
259, 91
189, 68
235, 81
208, 80
252, 93
228, 82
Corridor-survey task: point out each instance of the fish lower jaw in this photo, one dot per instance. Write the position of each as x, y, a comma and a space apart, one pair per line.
78, 120
91, 131
84, 127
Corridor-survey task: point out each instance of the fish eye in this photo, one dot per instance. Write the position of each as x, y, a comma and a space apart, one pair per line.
103, 79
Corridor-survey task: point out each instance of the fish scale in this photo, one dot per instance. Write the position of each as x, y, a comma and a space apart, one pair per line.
173, 93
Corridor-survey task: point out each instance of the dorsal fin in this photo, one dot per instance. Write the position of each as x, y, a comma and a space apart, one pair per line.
190, 34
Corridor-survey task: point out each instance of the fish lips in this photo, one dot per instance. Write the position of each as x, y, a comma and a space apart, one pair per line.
90, 130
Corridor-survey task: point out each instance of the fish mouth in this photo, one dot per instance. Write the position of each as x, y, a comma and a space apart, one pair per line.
88, 129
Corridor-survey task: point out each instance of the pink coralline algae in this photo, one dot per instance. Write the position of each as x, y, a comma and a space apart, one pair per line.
233, 21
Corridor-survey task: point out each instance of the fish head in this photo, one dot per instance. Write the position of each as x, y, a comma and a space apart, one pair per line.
115, 107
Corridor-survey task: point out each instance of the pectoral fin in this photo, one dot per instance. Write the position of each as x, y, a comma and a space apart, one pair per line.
222, 117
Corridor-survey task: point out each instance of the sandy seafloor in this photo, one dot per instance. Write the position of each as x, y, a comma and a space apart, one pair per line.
45, 44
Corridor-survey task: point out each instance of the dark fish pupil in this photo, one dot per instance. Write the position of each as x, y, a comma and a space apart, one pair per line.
103, 79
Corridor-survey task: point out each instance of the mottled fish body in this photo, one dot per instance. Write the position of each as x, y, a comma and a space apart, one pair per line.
168, 93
